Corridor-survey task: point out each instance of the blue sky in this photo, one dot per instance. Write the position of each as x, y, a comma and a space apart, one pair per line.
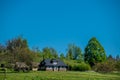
57, 23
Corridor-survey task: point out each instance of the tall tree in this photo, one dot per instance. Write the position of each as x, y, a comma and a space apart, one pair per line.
18, 47
117, 58
62, 56
54, 53
110, 56
46, 53
94, 52
3, 54
74, 52
17, 43
49, 53
2, 48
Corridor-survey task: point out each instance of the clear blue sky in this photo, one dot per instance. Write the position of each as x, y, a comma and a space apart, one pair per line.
56, 23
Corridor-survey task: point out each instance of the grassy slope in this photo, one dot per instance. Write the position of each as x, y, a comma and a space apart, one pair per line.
69, 75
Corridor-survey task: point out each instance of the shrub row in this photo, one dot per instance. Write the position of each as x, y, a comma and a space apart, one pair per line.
108, 66
81, 67
75, 66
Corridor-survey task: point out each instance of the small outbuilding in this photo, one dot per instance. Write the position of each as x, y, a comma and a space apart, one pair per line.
52, 65
35, 66
21, 66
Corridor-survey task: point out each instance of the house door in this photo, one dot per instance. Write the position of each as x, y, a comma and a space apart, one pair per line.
55, 69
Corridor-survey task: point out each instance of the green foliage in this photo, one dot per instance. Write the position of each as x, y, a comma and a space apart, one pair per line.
81, 67
38, 55
109, 65
75, 66
16, 44
17, 50
74, 52
62, 56
94, 52
117, 65
80, 58
2, 48
105, 67
26, 56
117, 58
53, 53
49, 53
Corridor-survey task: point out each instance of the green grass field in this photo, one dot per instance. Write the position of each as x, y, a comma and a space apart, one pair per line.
69, 75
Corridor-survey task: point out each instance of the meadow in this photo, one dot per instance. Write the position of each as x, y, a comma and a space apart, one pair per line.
69, 75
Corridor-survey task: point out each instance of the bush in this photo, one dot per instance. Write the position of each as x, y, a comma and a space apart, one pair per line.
77, 66
104, 67
117, 65
81, 67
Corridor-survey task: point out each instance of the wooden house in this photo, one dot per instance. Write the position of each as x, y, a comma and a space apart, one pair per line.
52, 65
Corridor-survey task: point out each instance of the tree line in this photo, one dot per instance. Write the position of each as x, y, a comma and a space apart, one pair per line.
94, 56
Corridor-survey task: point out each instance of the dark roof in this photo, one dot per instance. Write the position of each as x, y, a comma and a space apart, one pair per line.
50, 62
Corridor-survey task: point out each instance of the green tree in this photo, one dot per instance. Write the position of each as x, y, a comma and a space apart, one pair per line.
19, 51
110, 57
17, 43
74, 52
62, 56
117, 58
37, 54
69, 54
117, 64
49, 53
2, 48
3, 54
53, 53
46, 53
94, 52
80, 58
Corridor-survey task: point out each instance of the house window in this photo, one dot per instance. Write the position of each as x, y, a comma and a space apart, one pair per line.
54, 63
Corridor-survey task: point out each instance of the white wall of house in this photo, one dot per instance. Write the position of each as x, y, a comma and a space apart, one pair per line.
49, 69
62, 69
56, 69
